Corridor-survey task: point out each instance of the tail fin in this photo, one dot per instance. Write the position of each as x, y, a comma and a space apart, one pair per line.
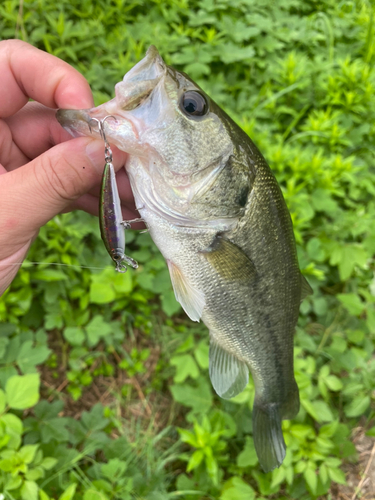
268, 436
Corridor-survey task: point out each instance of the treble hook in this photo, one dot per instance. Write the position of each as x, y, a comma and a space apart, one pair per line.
107, 148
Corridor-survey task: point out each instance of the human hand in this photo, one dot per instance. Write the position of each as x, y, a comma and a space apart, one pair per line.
43, 171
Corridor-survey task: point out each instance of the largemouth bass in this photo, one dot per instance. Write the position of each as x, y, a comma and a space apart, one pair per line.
217, 214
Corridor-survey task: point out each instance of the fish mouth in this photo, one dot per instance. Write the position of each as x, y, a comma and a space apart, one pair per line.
130, 119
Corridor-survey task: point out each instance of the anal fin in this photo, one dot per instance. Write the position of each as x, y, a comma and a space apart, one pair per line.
229, 376
191, 299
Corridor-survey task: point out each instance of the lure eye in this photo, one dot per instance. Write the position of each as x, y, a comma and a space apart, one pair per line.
193, 103
117, 256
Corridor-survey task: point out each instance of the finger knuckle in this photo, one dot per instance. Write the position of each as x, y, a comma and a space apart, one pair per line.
60, 177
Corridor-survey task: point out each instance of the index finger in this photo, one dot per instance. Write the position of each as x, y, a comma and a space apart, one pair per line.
29, 72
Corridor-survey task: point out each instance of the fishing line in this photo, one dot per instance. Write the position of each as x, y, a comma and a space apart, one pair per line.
26, 263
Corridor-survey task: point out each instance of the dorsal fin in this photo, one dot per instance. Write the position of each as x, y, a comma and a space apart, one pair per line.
305, 288
191, 299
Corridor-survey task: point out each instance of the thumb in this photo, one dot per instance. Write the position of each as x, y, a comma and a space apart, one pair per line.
33, 194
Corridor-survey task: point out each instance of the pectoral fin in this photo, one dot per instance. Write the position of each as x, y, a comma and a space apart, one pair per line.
191, 299
305, 288
229, 375
229, 260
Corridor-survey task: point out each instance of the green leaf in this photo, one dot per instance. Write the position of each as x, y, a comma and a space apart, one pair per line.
13, 483
334, 383
114, 469
248, 456
352, 303
69, 492
101, 293
22, 391
358, 406
48, 463
195, 460
30, 356
43, 495
278, 476
49, 275
201, 354
29, 490
94, 495
169, 303
27, 452
211, 465
311, 478
74, 335
337, 475
3, 401
237, 489
188, 437
185, 367
323, 411
322, 201
371, 432
198, 398
96, 329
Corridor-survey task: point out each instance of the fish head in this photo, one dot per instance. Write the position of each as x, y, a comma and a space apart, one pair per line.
162, 116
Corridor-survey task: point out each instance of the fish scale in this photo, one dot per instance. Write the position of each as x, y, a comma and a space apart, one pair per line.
217, 214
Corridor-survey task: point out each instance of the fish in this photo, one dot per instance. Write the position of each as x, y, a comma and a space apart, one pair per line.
217, 214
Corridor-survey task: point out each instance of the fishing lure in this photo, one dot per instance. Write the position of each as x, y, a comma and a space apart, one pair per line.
112, 227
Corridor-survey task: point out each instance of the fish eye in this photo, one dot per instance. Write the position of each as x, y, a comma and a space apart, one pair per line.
193, 103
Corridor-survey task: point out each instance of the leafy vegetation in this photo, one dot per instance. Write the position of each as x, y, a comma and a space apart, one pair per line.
126, 409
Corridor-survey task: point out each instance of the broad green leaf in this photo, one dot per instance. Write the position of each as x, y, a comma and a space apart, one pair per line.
114, 469
13, 483
48, 463
43, 495
198, 398
169, 303
22, 391
69, 492
278, 476
323, 411
352, 303
34, 474
237, 489
27, 452
30, 356
29, 490
358, 406
49, 275
337, 475
94, 495
96, 329
185, 367
3, 400
311, 478
74, 335
248, 456
334, 383
201, 354
102, 293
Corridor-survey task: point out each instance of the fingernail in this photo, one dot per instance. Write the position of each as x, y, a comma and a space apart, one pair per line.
95, 151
